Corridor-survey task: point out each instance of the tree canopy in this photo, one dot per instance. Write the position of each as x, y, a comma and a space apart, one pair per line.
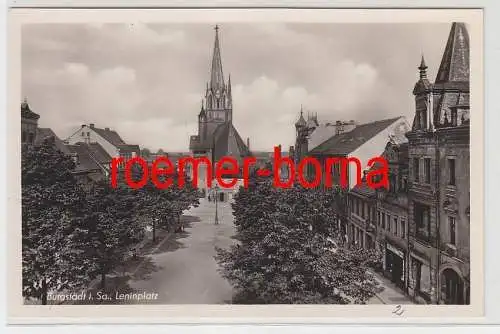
287, 250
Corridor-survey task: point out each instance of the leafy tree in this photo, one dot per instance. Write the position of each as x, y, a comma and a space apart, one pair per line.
162, 207
111, 227
286, 252
145, 152
53, 216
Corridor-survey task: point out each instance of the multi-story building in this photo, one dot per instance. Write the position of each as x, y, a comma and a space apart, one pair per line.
392, 215
363, 142
439, 187
108, 139
29, 124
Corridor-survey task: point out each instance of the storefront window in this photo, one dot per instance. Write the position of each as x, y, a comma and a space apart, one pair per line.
425, 279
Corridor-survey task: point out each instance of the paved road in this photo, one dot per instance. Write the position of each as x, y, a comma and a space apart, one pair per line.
186, 272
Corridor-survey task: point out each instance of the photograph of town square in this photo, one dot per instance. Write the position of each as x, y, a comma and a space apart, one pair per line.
93, 93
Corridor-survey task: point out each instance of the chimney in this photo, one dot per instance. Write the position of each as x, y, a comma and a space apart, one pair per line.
106, 129
83, 125
91, 125
248, 143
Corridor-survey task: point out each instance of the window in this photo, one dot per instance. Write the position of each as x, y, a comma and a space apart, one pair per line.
451, 171
23, 137
31, 137
388, 223
396, 225
88, 134
379, 218
383, 220
403, 229
452, 224
416, 169
422, 220
427, 170
83, 134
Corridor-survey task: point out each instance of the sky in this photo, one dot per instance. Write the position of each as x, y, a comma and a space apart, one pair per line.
147, 81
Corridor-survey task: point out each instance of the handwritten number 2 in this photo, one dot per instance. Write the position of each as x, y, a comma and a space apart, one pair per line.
398, 310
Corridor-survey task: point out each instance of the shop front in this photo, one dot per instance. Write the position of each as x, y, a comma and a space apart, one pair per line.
395, 265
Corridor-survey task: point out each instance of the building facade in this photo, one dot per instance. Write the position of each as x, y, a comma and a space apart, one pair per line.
29, 124
439, 189
423, 220
108, 139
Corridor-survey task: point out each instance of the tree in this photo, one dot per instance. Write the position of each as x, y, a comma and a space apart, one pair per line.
53, 215
162, 207
145, 153
286, 252
111, 226
160, 152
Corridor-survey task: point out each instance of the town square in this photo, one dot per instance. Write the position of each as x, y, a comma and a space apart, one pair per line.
387, 221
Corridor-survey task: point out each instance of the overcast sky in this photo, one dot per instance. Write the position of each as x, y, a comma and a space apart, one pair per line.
147, 81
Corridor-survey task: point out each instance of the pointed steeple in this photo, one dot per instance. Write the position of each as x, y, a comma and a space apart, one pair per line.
455, 62
216, 76
423, 68
202, 113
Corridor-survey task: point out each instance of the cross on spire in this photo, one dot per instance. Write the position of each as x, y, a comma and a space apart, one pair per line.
216, 77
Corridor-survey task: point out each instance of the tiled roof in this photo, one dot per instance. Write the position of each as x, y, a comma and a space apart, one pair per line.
99, 153
110, 135
364, 190
43, 133
85, 161
455, 62
346, 143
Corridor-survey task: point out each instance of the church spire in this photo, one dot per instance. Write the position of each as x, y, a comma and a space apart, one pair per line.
455, 62
423, 69
217, 77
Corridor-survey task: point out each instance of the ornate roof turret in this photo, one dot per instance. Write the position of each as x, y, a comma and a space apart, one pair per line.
301, 121
26, 112
423, 83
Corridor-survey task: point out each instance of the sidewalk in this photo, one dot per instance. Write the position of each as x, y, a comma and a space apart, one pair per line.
390, 294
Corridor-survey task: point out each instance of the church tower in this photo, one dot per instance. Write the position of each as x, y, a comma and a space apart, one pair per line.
218, 94
217, 137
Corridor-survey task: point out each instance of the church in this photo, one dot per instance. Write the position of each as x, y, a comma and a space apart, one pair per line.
217, 136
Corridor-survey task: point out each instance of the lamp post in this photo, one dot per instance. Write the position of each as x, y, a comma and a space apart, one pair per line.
216, 188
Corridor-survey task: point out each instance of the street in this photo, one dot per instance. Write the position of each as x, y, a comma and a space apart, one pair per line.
181, 268
186, 272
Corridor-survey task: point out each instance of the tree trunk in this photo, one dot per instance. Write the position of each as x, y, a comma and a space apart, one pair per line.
154, 231
103, 279
44, 292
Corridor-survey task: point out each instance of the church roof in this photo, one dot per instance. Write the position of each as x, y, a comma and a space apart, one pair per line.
455, 62
228, 142
346, 143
